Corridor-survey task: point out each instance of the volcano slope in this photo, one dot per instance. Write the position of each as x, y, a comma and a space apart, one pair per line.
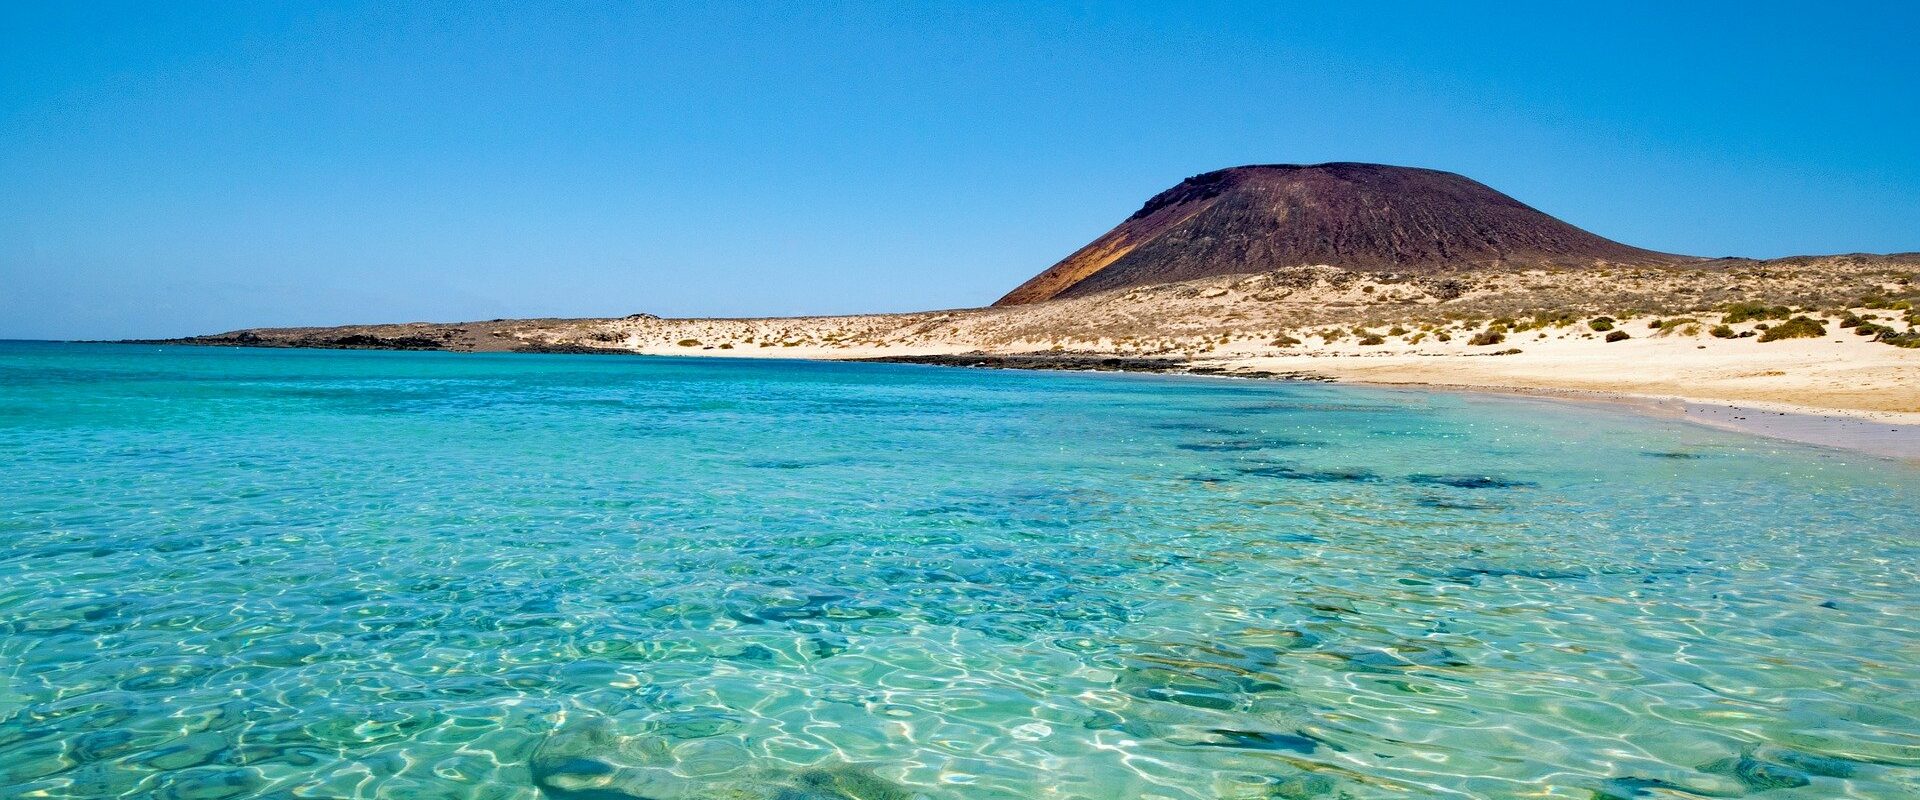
1366, 217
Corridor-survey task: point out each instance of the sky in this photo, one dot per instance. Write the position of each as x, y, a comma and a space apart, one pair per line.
169, 169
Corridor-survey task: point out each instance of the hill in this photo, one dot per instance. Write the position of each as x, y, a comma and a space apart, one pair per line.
1366, 217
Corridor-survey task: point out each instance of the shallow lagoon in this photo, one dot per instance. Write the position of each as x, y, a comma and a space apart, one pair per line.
292, 574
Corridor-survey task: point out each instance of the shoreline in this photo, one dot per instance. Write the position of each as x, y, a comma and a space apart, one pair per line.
1756, 346
1892, 435
1852, 430
1836, 429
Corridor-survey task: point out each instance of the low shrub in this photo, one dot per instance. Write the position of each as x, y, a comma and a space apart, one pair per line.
1601, 323
1722, 332
1372, 339
1447, 289
1284, 340
1910, 339
1556, 319
1747, 312
1686, 326
1487, 337
1801, 327
689, 342
1617, 336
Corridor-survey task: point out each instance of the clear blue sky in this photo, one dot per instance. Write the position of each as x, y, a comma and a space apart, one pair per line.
176, 168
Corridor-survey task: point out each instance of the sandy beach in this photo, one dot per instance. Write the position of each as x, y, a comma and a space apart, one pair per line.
1829, 391
1837, 390
1700, 343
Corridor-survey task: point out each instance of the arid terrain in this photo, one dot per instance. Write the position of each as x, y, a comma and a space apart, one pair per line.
1694, 332
1417, 277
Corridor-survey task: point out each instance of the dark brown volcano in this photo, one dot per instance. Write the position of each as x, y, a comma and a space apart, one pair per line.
1357, 216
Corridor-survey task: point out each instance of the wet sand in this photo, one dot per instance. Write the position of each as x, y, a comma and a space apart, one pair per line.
1864, 432
1848, 433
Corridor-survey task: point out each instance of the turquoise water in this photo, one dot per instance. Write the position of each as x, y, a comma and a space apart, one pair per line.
255, 573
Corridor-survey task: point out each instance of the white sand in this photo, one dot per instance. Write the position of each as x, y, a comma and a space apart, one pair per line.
1840, 389
1839, 374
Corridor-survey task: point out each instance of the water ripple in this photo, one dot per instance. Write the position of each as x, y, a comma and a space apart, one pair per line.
268, 574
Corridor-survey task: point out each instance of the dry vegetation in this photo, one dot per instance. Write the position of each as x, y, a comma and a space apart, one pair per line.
1300, 310
1833, 334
